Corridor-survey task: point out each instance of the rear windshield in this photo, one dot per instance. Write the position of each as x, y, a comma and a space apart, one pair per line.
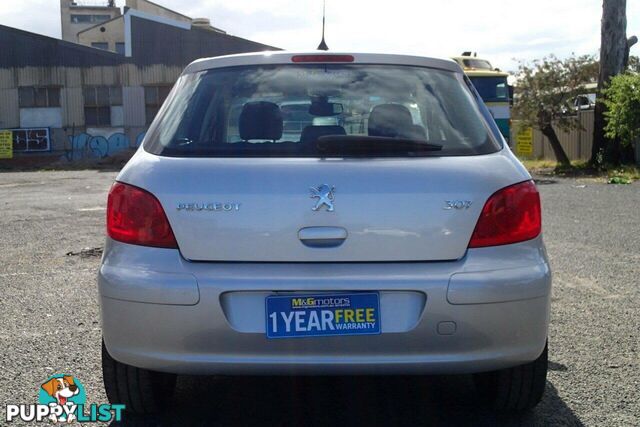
478, 64
319, 111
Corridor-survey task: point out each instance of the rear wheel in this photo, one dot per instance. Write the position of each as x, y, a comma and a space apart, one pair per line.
140, 390
514, 389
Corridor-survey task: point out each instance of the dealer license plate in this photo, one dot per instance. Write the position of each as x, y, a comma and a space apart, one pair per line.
297, 316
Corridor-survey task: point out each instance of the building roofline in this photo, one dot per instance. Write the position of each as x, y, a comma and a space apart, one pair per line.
101, 23
167, 9
180, 14
63, 43
144, 15
155, 4
57, 52
225, 34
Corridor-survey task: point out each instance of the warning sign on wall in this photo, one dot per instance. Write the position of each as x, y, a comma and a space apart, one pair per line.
524, 142
6, 144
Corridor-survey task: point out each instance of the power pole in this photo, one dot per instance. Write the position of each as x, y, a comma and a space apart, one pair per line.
613, 50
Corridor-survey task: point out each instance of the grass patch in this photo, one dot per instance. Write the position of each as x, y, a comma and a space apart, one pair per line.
538, 165
623, 174
613, 174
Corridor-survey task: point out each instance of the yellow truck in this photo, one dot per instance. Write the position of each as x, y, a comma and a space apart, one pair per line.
491, 84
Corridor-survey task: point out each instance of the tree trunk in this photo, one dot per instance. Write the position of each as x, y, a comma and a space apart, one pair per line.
558, 151
613, 47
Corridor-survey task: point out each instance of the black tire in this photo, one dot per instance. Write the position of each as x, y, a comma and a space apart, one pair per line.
516, 389
140, 390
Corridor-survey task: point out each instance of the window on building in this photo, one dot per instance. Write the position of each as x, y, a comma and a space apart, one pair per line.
154, 97
120, 48
39, 97
98, 102
89, 19
100, 45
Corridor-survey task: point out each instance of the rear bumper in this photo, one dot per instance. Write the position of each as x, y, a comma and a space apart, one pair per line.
487, 311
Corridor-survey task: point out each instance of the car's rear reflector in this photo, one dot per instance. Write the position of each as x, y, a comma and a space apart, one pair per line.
511, 215
135, 216
322, 58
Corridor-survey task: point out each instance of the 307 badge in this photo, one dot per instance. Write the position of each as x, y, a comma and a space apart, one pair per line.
296, 316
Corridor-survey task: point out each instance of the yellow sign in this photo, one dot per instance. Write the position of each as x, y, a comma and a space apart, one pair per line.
524, 142
6, 144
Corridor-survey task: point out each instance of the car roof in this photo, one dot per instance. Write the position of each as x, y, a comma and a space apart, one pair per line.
285, 57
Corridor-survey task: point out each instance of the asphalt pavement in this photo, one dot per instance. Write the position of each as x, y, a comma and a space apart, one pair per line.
52, 231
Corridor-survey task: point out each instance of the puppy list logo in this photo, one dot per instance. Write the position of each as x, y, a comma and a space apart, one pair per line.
62, 398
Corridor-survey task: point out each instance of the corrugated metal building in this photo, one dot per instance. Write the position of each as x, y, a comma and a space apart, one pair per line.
62, 98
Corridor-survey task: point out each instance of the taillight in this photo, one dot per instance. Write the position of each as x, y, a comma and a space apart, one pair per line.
511, 215
135, 216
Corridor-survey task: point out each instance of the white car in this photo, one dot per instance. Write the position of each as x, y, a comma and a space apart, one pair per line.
396, 234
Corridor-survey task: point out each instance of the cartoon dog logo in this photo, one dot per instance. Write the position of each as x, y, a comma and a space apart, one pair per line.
325, 196
61, 389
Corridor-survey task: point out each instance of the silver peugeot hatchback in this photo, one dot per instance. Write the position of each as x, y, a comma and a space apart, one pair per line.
314, 213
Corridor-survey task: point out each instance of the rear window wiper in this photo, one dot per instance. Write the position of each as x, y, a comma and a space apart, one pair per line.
363, 144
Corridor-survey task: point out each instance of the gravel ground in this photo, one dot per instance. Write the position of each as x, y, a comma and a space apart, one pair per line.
49, 319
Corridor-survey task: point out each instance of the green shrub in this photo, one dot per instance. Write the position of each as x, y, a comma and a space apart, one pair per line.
622, 99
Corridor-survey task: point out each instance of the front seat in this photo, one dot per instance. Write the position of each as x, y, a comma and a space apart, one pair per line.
310, 134
260, 120
393, 121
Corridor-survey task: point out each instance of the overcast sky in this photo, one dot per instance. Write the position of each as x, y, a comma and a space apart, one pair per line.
499, 30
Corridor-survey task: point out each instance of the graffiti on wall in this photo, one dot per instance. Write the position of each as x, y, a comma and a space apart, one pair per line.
88, 147
27, 140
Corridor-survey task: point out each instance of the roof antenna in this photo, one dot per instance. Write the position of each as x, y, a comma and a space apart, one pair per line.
323, 44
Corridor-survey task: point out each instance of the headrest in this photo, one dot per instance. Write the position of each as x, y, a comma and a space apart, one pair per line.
260, 120
312, 133
390, 120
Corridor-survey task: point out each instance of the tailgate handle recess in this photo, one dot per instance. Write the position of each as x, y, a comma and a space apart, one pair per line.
322, 237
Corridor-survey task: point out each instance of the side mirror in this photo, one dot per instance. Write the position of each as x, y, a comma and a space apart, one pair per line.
510, 89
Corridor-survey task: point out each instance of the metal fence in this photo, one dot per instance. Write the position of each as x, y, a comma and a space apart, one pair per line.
577, 143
